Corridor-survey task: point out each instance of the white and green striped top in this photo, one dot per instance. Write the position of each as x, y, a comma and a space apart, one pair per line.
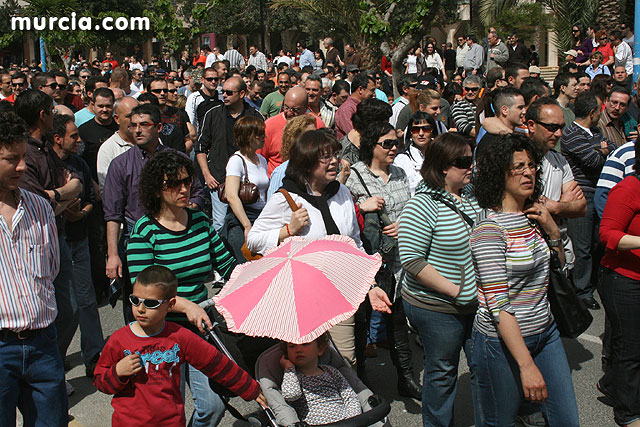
432, 233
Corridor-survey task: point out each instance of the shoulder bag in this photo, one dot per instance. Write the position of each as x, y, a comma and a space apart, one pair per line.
571, 314
248, 191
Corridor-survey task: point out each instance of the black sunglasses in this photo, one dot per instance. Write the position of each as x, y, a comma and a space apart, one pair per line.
425, 128
551, 127
173, 90
211, 79
177, 183
18, 84
62, 87
388, 144
464, 162
229, 92
148, 303
160, 90
52, 85
472, 89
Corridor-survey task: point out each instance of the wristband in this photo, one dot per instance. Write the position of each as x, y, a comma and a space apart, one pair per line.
288, 232
555, 243
56, 195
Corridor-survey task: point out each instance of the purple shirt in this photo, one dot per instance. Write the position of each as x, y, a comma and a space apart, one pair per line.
120, 198
586, 48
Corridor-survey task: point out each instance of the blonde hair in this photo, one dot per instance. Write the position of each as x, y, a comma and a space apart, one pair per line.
181, 102
292, 131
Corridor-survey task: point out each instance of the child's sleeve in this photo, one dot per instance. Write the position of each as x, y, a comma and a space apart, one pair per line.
206, 358
104, 376
291, 390
349, 397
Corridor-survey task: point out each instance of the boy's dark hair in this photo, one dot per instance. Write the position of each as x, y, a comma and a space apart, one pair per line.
31, 103
148, 98
159, 276
103, 92
59, 125
12, 129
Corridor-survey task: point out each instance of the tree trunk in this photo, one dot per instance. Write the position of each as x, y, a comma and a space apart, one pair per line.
609, 16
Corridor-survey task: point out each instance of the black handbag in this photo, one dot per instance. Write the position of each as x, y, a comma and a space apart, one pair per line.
571, 314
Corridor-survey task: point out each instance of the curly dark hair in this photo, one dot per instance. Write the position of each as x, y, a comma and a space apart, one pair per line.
369, 138
370, 110
494, 164
12, 129
167, 163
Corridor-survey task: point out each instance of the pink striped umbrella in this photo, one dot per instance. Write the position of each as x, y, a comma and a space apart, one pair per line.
299, 290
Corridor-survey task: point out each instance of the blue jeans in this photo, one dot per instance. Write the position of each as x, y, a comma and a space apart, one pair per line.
67, 319
218, 211
621, 298
443, 336
33, 381
583, 232
84, 296
499, 388
208, 406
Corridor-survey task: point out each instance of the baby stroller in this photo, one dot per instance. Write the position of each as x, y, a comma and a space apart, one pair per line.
269, 374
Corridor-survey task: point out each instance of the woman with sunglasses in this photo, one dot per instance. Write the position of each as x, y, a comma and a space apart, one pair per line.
517, 351
581, 43
605, 48
439, 287
181, 239
410, 158
248, 135
376, 179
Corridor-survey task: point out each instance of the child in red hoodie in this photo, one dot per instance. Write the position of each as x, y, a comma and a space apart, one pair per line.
140, 364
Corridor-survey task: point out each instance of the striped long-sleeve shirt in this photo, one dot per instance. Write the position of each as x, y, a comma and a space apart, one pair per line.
511, 261
464, 116
190, 254
582, 151
30, 260
432, 233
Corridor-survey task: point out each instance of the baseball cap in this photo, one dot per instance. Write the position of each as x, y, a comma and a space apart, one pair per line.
427, 82
534, 69
571, 52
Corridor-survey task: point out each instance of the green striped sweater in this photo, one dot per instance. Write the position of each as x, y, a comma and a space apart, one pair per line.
190, 254
432, 233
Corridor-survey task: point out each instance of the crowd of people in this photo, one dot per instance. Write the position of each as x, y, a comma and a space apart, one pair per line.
145, 182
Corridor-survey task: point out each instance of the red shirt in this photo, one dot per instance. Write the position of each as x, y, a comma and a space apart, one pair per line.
113, 62
622, 216
274, 127
386, 64
152, 397
606, 50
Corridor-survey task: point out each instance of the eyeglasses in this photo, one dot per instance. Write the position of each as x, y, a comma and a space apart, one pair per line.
388, 144
52, 85
417, 128
173, 90
551, 127
211, 79
177, 183
326, 158
472, 89
148, 303
142, 125
159, 91
521, 168
84, 77
62, 87
18, 84
293, 110
464, 162
229, 92
575, 31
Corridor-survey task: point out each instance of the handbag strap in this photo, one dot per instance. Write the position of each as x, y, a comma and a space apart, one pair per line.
453, 207
245, 180
287, 196
380, 218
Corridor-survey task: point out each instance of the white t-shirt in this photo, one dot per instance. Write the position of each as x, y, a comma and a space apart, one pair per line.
624, 57
411, 163
257, 175
555, 173
412, 64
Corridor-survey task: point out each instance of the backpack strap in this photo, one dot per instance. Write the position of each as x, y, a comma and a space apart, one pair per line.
287, 196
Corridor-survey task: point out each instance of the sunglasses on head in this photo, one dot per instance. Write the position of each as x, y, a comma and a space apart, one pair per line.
148, 303
160, 90
463, 162
551, 127
177, 183
418, 128
388, 144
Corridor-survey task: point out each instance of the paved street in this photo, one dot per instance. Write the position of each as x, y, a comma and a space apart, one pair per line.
92, 408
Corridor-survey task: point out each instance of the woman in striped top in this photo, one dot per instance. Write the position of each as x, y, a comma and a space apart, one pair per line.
439, 287
517, 352
183, 240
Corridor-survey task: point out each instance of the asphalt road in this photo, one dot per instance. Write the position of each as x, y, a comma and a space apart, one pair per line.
90, 407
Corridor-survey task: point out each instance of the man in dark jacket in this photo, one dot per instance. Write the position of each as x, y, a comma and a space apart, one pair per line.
215, 143
518, 52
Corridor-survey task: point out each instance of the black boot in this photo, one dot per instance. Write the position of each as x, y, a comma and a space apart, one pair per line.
398, 335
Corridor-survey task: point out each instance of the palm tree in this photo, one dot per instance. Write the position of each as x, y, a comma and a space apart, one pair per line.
610, 14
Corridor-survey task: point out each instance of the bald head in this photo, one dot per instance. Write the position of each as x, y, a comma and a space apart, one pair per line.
62, 109
122, 108
295, 102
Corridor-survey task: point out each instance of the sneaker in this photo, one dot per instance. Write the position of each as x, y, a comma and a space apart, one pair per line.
532, 420
70, 388
92, 366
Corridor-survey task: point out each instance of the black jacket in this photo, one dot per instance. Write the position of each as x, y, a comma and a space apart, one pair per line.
216, 137
520, 54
